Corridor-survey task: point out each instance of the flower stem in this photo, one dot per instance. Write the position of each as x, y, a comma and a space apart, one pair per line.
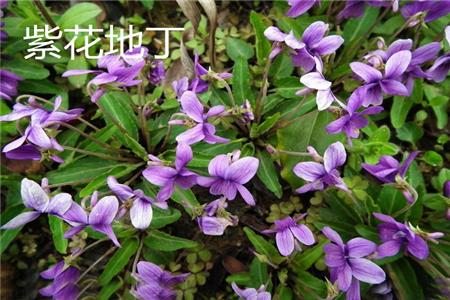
293, 153
263, 91
138, 254
99, 155
106, 254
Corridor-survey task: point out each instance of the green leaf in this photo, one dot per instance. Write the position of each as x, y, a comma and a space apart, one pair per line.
148, 4
357, 28
283, 293
7, 236
82, 171
78, 63
390, 26
410, 132
391, 200
309, 287
268, 173
258, 272
118, 106
108, 290
305, 259
237, 49
241, 82
185, 198
78, 14
262, 44
288, 86
399, 110
433, 159
243, 278
27, 69
162, 241
404, 280
265, 126
118, 261
264, 247
281, 67
57, 229
163, 217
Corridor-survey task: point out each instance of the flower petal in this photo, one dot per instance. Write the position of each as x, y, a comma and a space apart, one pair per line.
183, 156
314, 33
159, 175
359, 247
104, 211
309, 171
274, 34
315, 80
242, 170
107, 229
332, 235
33, 196
246, 195
328, 45
141, 214
344, 277
218, 165
367, 271
366, 72
389, 248
59, 204
303, 234
418, 247
191, 136
285, 242
122, 191
334, 156
393, 87
192, 106
21, 219
334, 255
397, 64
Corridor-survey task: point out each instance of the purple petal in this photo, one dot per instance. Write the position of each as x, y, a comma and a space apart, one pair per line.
328, 45
242, 170
372, 94
315, 80
405, 165
366, 72
215, 111
159, 175
389, 248
393, 87
103, 78
292, 42
418, 247
212, 225
309, 171
304, 59
59, 204
141, 214
398, 46
299, 7
210, 137
285, 242
367, 271
334, 255
274, 34
359, 247
53, 271
14, 144
334, 156
440, 68
332, 235
191, 136
38, 137
33, 196
73, 231
313, 186
218, 165
122, 191
192, 106
425, 53
166, 191
104, 211
397, 64
246, 195
303, 234
77, 72
324, 99
106, 229
183, 156
353, 292
75, 215
314, 33
344, 277
21, 219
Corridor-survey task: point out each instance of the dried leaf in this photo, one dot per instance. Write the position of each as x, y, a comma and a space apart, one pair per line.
191, 11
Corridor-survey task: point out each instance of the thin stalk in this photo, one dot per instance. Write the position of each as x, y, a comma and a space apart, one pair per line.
85, 288
263, 91
76, 182
90, 246
96, 263
293, 153
227, 87
404, 26
138, 254
166, 138
89, 124
99, 155
45, 13
102, 144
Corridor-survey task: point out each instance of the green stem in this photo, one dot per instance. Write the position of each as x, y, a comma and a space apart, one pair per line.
263, 91
106, 254
293, 153
138, 254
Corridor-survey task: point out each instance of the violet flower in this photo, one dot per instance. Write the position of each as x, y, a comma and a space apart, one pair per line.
289, 235
316, 45
180, 86
120, 72
167, 177
440, 68
389, 170
355, 8
432, 10
395, 235
200, 128
3, 34
100, 218
158, 73
316, 81
352, 120
228, 174
348, 265
376, 83
155, 283
8, 84
299, 7
35, 197
36, 133
64, 282
324, 174
279, 38
251, 293
198, 83
216, 219
141, 211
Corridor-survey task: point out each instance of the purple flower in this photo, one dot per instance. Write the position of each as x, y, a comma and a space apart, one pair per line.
447, 189
120, 71
229, 174
201, 130
8, 84
155, 283
439, 70
64, 282
432, 10
36, 198
355, 8
347, 263
388, 168
352, 120
316, 45
35, 133
198, 84
216, 219
180, 86
141, 211
321, 176
316, 81
299, 7
3, 34
167, 177
376, 83
279, 38
289, 234
395, 235
252, 293
100, 218
158, 73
